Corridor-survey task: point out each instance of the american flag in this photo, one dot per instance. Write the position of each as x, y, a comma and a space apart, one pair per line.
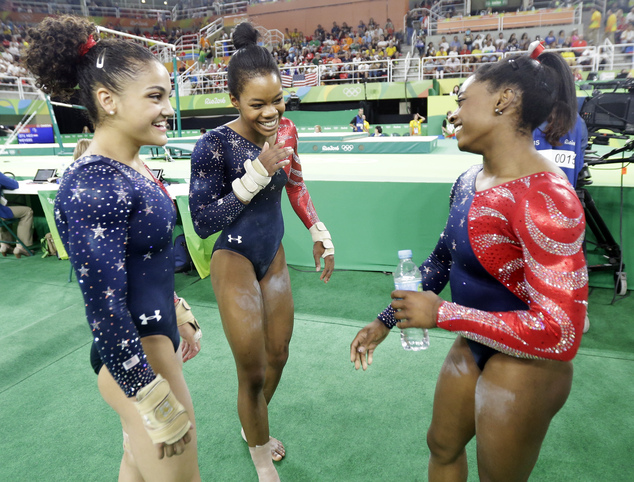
299, 80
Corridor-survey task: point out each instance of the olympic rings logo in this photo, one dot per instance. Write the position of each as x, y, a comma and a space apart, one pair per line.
347, 147
352, 91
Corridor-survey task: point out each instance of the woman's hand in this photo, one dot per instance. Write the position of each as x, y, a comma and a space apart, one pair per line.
272, 158
329, 261
177, 448
189, 345
415, 309
363, 345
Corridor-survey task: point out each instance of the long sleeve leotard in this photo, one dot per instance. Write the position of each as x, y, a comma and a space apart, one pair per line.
513, 256
117, 227
254, 230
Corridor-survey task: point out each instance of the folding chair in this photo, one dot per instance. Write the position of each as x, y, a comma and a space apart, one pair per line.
6, 224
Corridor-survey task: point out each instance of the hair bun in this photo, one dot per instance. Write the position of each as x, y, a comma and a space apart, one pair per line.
245, 35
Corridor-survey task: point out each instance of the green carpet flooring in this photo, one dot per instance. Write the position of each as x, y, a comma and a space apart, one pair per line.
337, 424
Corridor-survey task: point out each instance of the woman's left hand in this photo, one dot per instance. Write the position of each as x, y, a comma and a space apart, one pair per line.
189, 345
329, 261
415, 309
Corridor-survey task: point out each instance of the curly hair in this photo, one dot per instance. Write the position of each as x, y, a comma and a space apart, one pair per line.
55, 60
249, 60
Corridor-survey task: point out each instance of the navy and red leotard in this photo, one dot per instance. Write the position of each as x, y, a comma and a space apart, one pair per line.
254, 230
513, 256
117, 227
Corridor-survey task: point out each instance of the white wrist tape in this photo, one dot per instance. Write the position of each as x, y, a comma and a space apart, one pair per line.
319, 233
254, 180
164, 417
184, 315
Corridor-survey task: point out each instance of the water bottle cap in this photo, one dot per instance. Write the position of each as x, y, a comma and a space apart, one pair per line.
404, 254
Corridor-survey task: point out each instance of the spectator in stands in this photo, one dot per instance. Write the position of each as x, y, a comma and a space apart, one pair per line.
561, 38
378, 132
629, 18
465, 50
594, 26
550, 40
452, 64
579, 45
317, 129
389, 27
500, 42
488, 52
454, 92
431, 50
627, 37
577, 74
477, 43
524, 41
513, 45
415, 125
455, 43
610, 25
443, 44
420, 45
335, 30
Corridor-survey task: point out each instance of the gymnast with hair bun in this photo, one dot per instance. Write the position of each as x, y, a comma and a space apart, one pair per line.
237, 176
512, 253
116, 221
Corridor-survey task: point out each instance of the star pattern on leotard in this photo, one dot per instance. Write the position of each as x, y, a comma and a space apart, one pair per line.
95, 324
76, 193
122, 195
109, 292
148, 209
124, 343
120, 265
147, 256
83, 271
99, 231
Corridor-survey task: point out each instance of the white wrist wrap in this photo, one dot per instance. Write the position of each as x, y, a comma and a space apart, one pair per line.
319, 233
247, 186
184, 315
164, 417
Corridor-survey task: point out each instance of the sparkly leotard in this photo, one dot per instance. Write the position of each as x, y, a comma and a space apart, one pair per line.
117, 227
513, 257
254, 230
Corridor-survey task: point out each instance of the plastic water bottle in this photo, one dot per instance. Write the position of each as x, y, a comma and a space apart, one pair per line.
407, 277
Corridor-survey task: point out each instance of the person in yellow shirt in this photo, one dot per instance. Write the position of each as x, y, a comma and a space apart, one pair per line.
593, 28
610, 26
414, 124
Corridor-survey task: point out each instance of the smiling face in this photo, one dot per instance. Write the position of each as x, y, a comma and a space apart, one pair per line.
142, 108
474, 118
261, 105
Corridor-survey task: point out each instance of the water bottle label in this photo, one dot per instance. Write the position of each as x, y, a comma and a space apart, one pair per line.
416, 285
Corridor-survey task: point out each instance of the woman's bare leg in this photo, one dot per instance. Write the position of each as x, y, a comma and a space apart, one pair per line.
279, 317
453, 419
242, 313
141, 462
515, 401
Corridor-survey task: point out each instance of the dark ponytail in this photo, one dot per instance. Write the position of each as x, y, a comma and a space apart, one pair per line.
59, 58
546, 87
249, 60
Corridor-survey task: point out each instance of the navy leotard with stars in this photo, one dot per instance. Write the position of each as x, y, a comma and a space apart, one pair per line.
254, 230
117, 227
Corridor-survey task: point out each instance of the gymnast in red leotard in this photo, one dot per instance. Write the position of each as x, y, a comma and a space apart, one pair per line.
512, 253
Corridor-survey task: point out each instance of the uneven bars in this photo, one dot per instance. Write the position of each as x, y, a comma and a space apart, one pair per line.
123, 34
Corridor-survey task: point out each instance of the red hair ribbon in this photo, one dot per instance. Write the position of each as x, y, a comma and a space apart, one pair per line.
535, 49
86, 46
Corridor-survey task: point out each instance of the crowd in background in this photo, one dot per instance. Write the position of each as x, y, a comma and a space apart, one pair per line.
343, 53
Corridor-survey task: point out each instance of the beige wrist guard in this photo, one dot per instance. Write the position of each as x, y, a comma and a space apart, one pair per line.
164, 417
255, 179
319, 233
184, 315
